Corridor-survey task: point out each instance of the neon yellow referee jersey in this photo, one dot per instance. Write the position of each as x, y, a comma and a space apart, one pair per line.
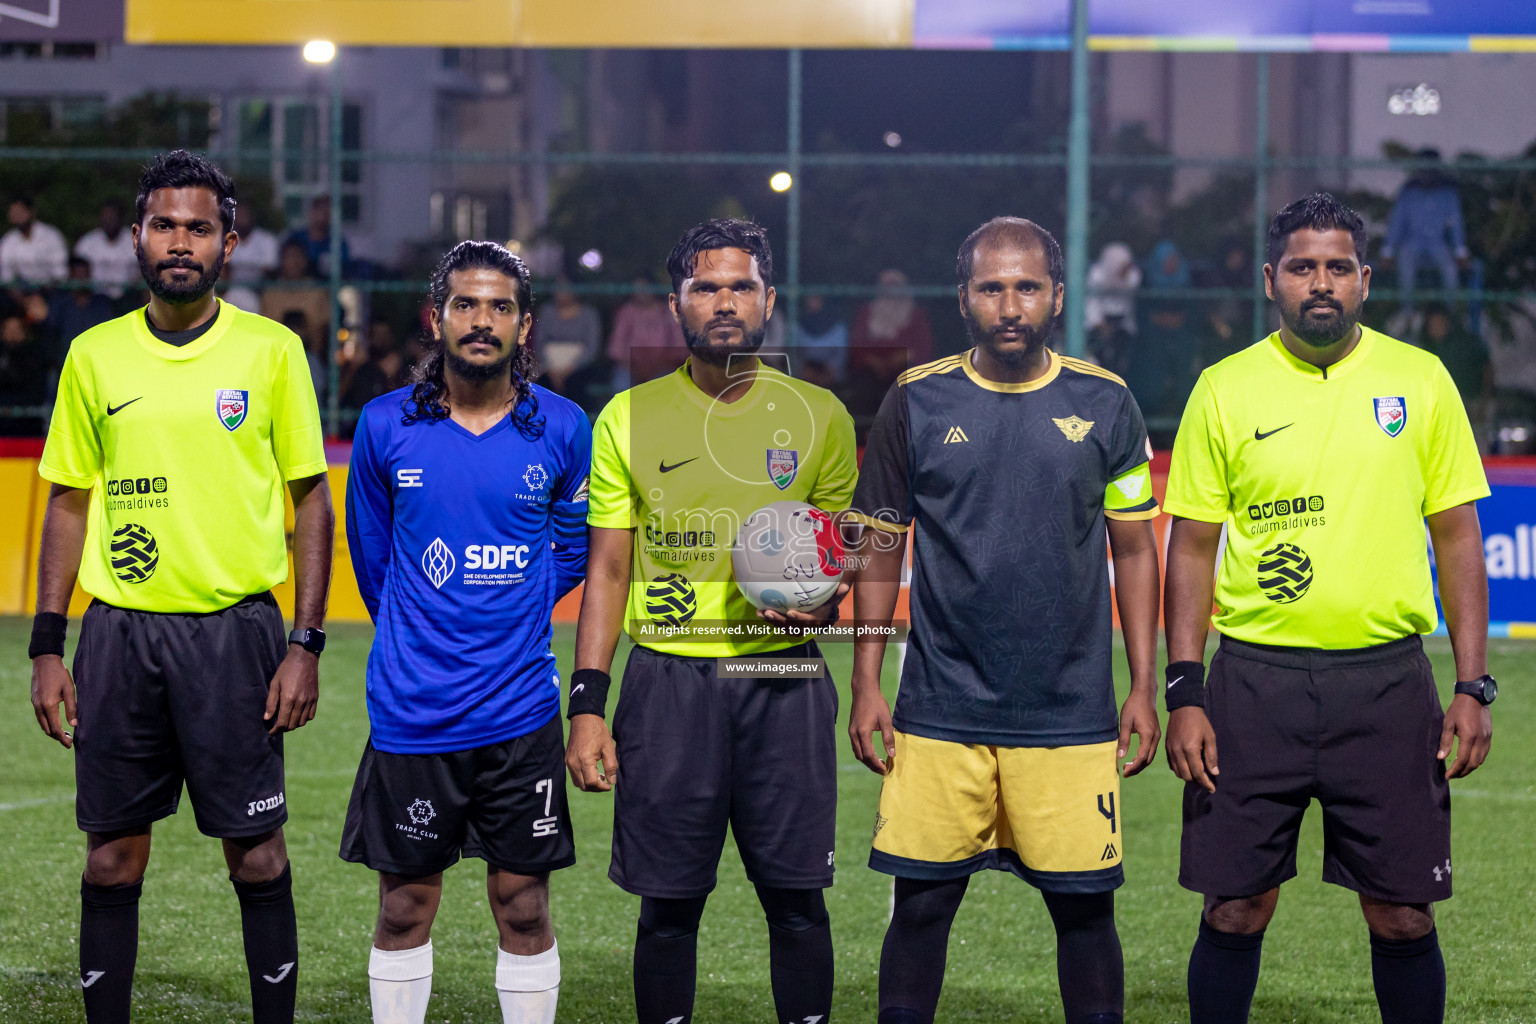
684, 470
187, 450
1323, 479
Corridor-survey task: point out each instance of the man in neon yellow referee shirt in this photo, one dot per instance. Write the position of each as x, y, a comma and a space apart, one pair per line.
176, 430
1322, 451
677, 464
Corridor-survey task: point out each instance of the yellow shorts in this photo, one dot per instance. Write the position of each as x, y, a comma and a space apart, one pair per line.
1051, 815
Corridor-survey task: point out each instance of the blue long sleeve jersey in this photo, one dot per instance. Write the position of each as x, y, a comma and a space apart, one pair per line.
462, 544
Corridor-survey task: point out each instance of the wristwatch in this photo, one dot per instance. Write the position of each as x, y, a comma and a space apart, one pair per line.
312, 640
1482, 690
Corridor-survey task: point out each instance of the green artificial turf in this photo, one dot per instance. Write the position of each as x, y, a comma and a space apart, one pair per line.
1001, 954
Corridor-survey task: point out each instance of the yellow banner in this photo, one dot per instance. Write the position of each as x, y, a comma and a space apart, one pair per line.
772, 24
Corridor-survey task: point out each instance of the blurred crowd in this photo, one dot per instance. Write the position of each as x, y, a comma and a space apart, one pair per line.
1146, 317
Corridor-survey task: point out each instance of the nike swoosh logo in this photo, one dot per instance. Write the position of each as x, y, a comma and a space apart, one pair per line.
280, 974
114, 410
1259, 437
667, 469
1179, 680
578, 688
91, 977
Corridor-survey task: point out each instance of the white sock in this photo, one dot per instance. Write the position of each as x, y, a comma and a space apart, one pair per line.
399, 984
528, 986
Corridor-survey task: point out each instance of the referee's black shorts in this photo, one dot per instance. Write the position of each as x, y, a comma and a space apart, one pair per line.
166, 698
698, 752
1357, 730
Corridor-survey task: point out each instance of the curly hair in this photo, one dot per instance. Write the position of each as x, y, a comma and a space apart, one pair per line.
429, 394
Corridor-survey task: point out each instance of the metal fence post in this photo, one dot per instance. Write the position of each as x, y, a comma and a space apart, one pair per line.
1260, 191
792, 241
333, 369
1077, 185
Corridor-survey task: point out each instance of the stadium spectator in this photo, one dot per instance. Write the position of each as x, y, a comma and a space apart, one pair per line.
1425, 228
108, 248
646, 341
184, 676
1011, 465
1230, 319
1109, 309
294, 288
24, 375
568, 332
702, 750
1464, 354
1163, 354
298, 322
257, 256
1320, 688
822, 338
73, 311
1164, 360
382, 371
589, 385
254, 261
32, 252
890, 332
315, 237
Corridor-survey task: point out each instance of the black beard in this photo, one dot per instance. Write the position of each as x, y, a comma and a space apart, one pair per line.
1034, 338
184, 293
1341, 326
478, 373
719, 356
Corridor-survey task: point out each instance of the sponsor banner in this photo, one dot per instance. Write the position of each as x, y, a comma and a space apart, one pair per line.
1360, 25
533, 23
1417, 25
1508, 521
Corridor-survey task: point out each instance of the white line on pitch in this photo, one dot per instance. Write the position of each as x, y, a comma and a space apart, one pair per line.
41, 801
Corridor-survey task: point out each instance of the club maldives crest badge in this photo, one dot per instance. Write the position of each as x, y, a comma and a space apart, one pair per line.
232, 406
1391, 415
783, 464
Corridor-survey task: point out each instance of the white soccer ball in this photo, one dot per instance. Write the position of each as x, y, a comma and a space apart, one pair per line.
788, 557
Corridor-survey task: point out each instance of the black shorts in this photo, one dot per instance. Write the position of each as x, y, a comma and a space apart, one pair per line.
698, 752
165, 698
1358, 730
414, 814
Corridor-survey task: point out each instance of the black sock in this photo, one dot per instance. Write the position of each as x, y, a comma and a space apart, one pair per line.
666, 959
109, 948
1410, 979
271, 935
1089, 966
799, 952
916, 944
1223, 972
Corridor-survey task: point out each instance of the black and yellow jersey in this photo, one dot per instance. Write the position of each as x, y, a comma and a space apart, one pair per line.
1006, 487
187, 450
1323, 479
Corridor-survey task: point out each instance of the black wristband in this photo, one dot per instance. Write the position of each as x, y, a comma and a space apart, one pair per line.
1186, 685
589, 693
47, 634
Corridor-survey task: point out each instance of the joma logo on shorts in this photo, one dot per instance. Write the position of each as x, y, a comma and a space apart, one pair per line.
270, 803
